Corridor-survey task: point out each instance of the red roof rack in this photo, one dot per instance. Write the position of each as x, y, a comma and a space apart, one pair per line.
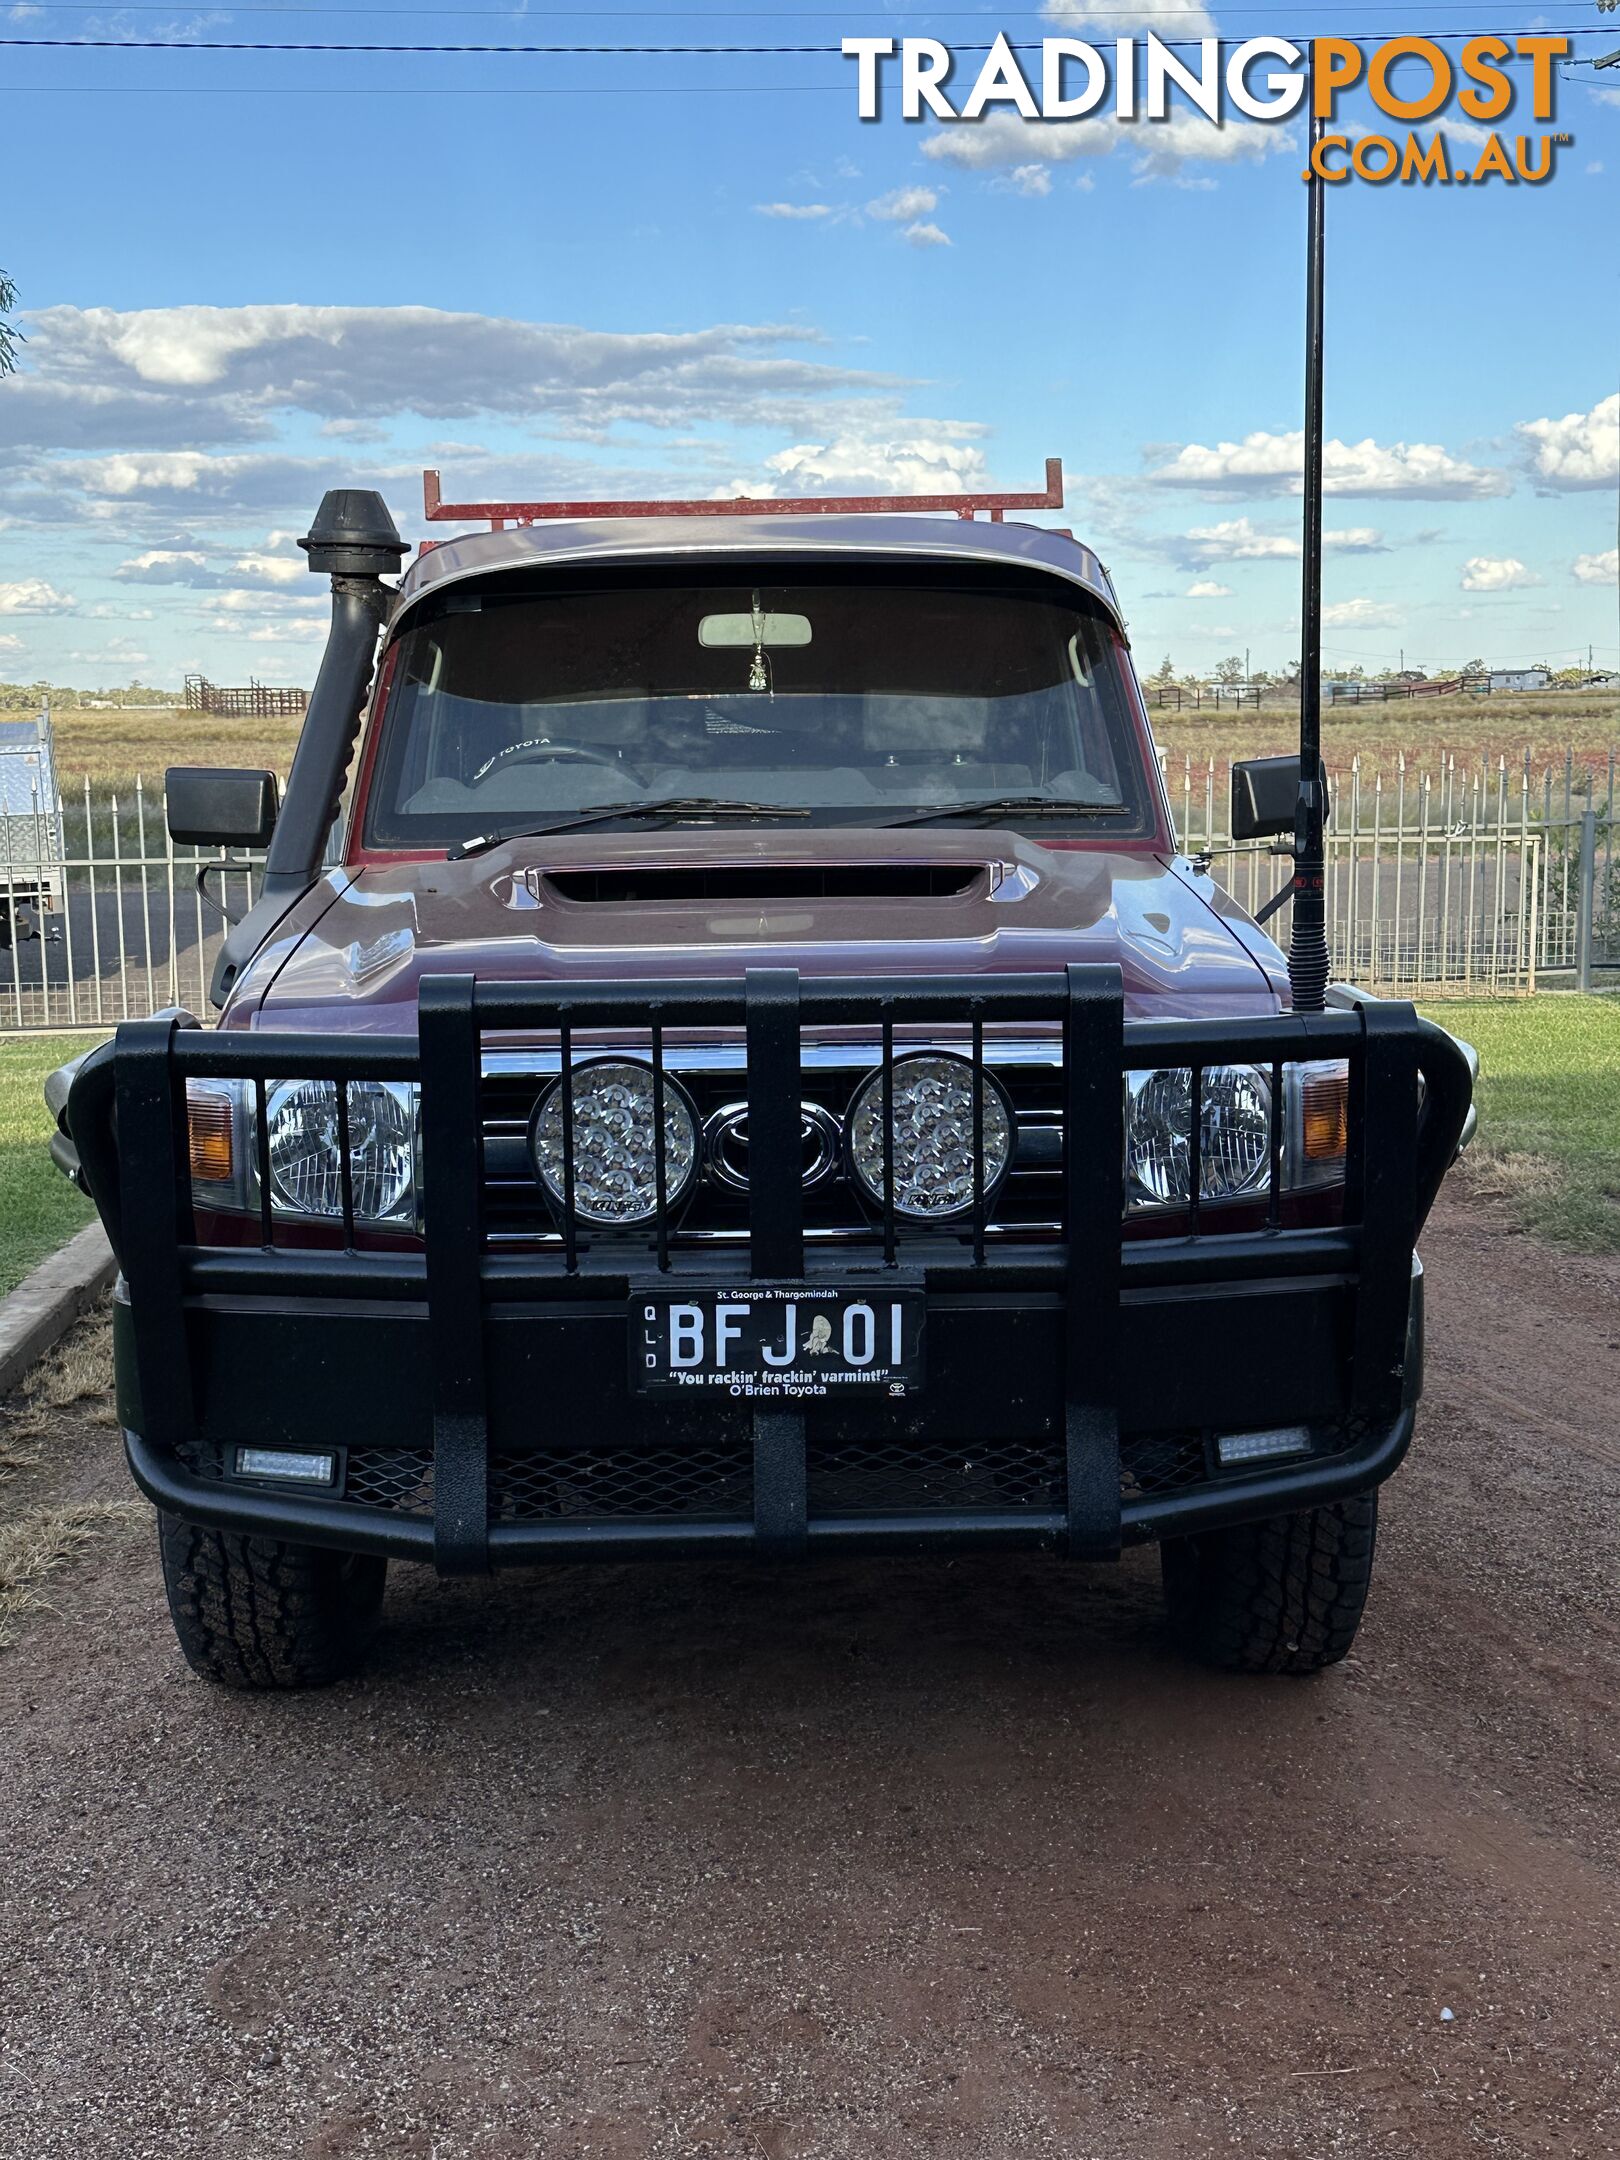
500, 514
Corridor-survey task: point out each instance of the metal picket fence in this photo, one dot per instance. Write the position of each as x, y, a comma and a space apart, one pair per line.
1464, 877
113, 921
1460, 877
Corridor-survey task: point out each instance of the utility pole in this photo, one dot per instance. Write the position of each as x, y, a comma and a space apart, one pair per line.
1307, 944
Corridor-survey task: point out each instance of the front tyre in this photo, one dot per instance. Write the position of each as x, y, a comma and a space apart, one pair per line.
254, 1612
1284, 1595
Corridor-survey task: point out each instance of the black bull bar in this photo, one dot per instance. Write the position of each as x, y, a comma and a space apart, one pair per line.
481, 1352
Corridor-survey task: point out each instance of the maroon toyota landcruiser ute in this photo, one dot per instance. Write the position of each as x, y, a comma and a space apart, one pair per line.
728, 1055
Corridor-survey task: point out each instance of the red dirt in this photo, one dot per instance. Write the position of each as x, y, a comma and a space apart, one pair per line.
919, 1859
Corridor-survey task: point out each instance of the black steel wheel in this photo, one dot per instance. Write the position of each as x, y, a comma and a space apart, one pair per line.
253, 1612
1284, 1595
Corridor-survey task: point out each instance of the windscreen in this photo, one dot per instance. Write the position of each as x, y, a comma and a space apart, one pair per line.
847, 698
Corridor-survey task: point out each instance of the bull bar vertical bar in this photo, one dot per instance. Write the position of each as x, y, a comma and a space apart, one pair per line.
447, 1030
156, 1206
776, 1235
1093, 1152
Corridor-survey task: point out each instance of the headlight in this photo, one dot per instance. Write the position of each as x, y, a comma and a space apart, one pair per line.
615, 1170
1233, 1140
306, 1176
933, 1135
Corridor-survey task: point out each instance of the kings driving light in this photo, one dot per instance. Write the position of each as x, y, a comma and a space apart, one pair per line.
615, 1162
1234, 1448
933, 1135
288, 1463
1233, 1134
305, 1150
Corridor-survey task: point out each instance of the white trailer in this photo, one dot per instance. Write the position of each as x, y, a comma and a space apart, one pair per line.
32, 849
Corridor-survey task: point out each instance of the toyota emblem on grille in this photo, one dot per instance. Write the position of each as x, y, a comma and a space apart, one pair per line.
725, 1137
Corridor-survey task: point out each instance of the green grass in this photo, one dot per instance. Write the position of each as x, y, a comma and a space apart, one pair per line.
1549, 1112
39, 1209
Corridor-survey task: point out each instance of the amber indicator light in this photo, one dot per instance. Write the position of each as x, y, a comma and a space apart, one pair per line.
1326, 1107
211, 1153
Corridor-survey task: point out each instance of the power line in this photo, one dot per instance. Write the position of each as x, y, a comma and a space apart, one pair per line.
875, 7
243, 45
296, 90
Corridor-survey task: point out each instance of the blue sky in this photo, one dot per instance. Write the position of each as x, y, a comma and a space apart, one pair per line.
246, 278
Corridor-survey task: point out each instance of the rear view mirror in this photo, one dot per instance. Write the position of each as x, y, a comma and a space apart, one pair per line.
1265, 796
218, 806
751, 630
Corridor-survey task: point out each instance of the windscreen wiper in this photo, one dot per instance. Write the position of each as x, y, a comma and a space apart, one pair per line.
664, 806
1008, 806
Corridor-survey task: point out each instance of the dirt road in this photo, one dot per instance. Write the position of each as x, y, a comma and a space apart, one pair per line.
865, 1860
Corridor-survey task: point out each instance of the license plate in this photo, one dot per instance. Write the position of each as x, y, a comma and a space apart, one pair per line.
776, 1341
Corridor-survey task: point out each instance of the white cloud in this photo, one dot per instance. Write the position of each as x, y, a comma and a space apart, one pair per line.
1159, 149
270, 633
904, 203
11, 643
1580, 451
162, 566
190, 566
1601, 569
806, 210
1164, 148
1208, 589
1236, 540
1003, 139
32, 596
1032, 180
273, 569
1359, 614
925, 236
245, 600
1355, 540
190, 378
1170, 18
945, 461
1496, 573
1271, 464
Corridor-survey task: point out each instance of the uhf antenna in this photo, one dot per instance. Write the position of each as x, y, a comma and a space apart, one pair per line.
1307, 944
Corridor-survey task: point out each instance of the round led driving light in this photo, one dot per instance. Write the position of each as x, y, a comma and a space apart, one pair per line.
306, 1174
1234, 1153
615, 1166
933, 1135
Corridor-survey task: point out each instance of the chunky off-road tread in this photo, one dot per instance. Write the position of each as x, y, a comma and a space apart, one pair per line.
252, 1612
1280, 1596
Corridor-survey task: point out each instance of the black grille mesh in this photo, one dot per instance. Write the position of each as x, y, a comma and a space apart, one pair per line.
699, 1483
923, 1477
396, 1478
713, 1481
1160, 1463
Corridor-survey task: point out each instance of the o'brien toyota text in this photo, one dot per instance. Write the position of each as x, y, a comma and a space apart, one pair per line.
1266, 79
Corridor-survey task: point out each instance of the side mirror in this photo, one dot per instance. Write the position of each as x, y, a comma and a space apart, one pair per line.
217, 806
1265, 795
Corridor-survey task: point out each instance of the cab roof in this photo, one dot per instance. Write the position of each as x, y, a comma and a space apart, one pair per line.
567, 545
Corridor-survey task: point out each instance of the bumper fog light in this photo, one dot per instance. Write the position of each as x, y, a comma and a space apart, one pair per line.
274, 1462
1251, 1447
